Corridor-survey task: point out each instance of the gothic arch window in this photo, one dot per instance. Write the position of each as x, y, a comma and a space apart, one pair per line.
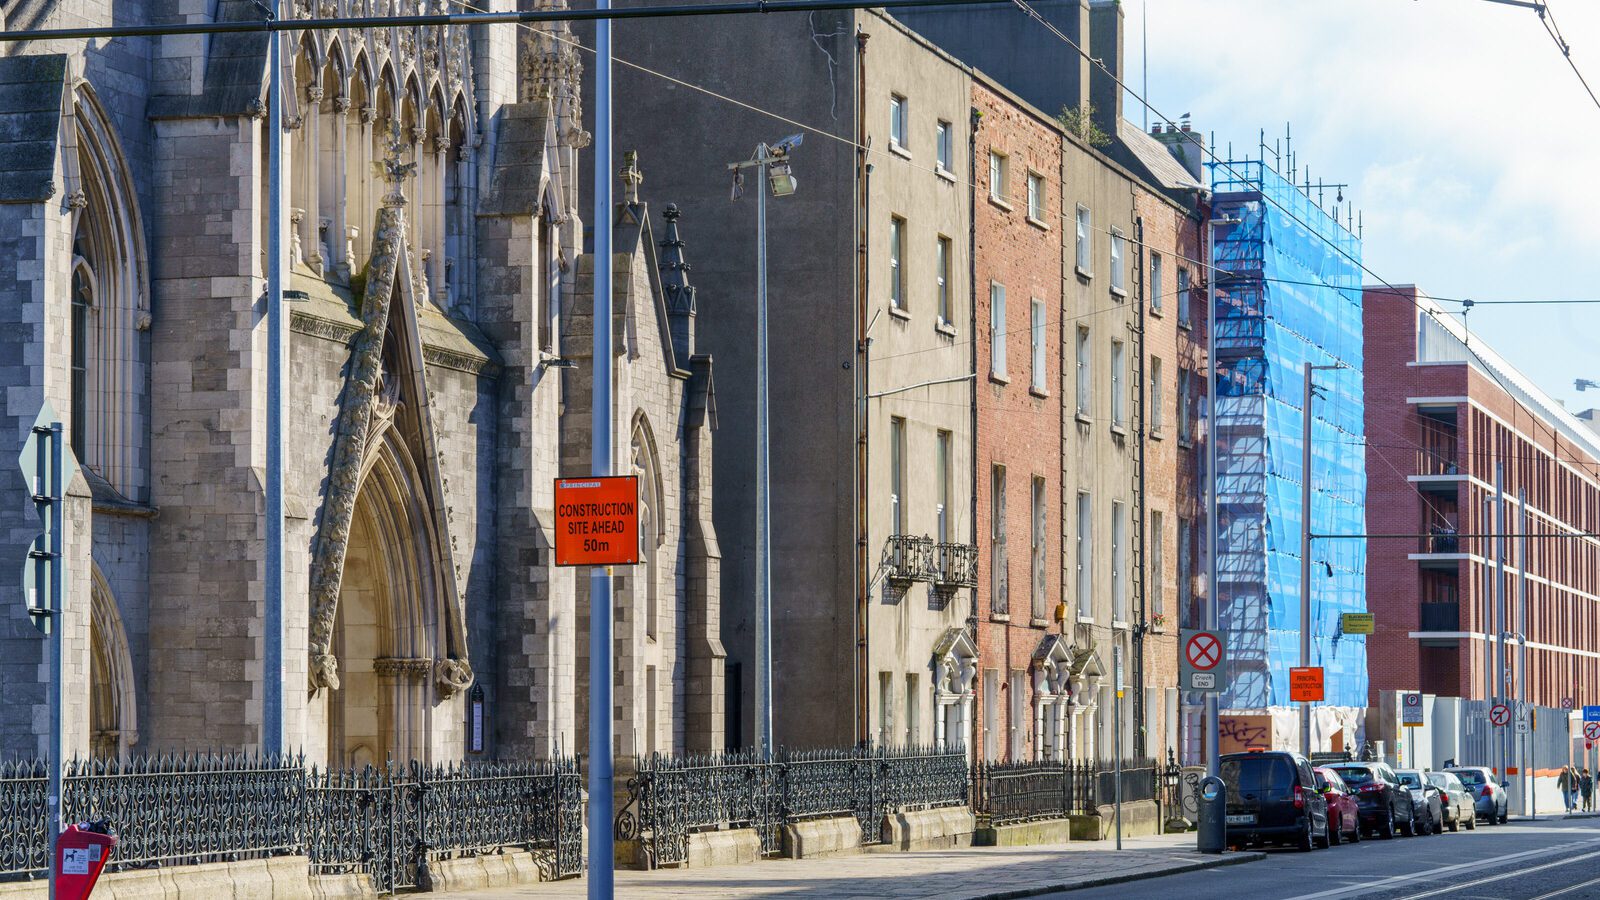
109, 312
652, 521
113, 706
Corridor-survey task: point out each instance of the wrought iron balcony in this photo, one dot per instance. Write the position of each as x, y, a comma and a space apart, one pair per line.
955, 565
908, 558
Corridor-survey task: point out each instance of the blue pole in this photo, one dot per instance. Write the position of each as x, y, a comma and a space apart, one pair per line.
601, 880
272, 738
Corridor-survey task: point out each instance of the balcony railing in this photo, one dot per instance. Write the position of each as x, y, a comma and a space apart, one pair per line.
955, 565
1439, 616
1441, 540
908, 558
1437, 462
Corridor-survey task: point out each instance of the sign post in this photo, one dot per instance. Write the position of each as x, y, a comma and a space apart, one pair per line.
1202, 661
48, 467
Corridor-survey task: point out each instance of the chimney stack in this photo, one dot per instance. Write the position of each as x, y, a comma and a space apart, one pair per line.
1106, 44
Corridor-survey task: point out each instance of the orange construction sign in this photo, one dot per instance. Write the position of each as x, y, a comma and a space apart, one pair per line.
1305, 684
597, 521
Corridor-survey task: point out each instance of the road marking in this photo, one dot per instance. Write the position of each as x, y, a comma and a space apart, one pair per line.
1567, 889
1450, 889
1394, 880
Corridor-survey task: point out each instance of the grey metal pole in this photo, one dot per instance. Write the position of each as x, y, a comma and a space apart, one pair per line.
763, 480
1525, 757
1213, 592
1116, 739
1488, 613
57, 647
601, 877
272, 737
1498, 673
1305, 556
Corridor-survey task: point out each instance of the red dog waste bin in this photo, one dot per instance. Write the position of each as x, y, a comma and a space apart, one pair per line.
80, 855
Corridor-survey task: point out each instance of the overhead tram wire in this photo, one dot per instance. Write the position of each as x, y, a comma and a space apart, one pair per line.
1548, 20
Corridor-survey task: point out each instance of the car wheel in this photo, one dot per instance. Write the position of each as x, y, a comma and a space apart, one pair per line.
1455, 824
1355, 833
1326, 840
1308, 839
1504, 814
1388, 829
1472, 821
1335, 832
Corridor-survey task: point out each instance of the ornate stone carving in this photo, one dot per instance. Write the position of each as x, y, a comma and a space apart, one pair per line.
410, 668
367, 114
315, 326
341, 105
76, 200
354, 431
314, 94
452, 676
257, 108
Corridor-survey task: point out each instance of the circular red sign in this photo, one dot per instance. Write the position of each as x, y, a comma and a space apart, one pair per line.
1500, 714
1204, 651
1591, 730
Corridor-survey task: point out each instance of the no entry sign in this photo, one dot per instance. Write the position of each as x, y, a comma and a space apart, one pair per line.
1499, 715
1201, 661
597, 521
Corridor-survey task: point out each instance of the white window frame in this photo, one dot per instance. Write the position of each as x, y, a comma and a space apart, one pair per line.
897, 268
997, 330
1036, 559
942, 474
1036, 345
1085, 245
999, 176
1085, 556
991, 714
899, 119
999, 559
1119, 560
1158, 560
943, 250
1036, 198
897, 475
1119, 381
1184, 304
1156, 278
944, 145
1119, 254
1085, 363
913, 708
1158, 417
1183, 405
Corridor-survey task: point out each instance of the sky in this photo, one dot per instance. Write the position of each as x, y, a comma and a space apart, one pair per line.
1472, 151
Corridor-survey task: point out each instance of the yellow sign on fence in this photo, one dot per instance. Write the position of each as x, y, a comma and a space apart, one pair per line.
1357, 623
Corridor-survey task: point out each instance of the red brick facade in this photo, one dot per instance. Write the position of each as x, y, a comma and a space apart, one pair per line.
1436, 431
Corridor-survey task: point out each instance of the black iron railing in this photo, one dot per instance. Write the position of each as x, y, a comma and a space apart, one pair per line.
908, 558
670, 798
955, 565
1010, 792
387, 823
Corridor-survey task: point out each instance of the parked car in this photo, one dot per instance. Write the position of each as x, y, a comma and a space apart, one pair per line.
1490, 796
1344, 815
1460, 808
1273, 797
1384, 802
1427, 800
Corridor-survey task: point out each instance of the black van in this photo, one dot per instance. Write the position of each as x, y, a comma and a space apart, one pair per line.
1273, 797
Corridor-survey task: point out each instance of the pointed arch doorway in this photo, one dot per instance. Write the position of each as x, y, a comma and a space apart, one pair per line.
387, 625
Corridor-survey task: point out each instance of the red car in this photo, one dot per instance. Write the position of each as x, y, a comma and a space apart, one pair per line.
1344, 820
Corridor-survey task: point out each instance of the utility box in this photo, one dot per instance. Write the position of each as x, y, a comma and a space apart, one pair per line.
81, 855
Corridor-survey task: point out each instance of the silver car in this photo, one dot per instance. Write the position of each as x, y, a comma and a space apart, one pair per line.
1459, 806
1489, 796
1427, 803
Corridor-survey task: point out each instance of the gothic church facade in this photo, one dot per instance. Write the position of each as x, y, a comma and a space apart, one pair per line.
438, 376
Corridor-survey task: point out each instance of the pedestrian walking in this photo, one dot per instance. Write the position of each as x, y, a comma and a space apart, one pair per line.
1567, 783
1586, 787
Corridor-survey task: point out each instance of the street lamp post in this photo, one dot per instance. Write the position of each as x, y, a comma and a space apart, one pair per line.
1305, 548
772, 165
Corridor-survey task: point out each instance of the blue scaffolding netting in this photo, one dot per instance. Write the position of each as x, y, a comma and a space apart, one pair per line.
1288, 293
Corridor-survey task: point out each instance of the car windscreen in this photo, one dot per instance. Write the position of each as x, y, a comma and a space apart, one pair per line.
1409, 779
1469, 777
1356, 776
1439, 780
1256, 774
1334, 780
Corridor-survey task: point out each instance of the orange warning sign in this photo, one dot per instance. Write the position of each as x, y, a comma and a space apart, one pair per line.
1305, 685
597, 521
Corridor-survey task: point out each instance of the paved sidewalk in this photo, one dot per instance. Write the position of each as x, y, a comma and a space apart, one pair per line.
980, 873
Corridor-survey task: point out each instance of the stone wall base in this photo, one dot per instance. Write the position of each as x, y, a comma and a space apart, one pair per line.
1140, 818
734, 847
279, 878
928, 829
1024, 834
491, 870
817, 838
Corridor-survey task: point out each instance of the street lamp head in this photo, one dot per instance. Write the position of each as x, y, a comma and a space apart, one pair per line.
788, 143
782, 180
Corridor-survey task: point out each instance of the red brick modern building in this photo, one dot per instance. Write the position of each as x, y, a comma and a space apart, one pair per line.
1443, 412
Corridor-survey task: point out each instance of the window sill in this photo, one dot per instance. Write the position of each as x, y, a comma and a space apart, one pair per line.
1119, 293
898, 150
1038, 223
1156, 311
1083, 273
1086, 620
999, 617
1037, 622
945, 328
1186, 324
1039, 392
1156, 434
898, 312
1000, 202
1083, 418
1120, 626
1119, 431
1186, 443
944, 173
999, 378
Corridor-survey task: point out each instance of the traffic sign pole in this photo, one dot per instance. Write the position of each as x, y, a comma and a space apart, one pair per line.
54, 642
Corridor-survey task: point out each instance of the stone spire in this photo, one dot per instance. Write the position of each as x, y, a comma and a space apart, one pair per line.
552, 69
679, 294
